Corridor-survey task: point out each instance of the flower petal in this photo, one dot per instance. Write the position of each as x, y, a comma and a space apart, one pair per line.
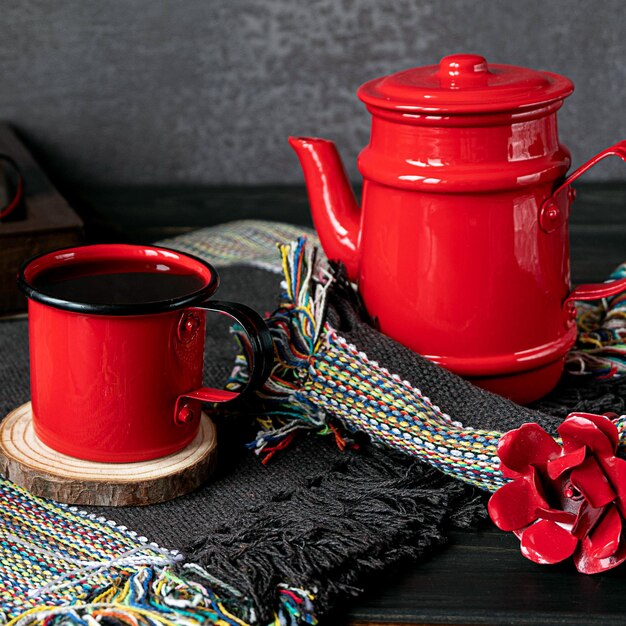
526, 446
605, 424
588, 517
596, 432
566, 461
605, 537
586, 564
514, 505
615, 471
562, 517
546, 542
591, 481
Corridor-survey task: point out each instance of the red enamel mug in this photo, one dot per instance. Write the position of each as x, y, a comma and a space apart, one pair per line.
121, 381
460, 247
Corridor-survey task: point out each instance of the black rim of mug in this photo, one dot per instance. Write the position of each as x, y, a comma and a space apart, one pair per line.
142, 308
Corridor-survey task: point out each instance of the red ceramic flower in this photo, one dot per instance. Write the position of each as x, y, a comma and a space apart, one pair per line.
564, 500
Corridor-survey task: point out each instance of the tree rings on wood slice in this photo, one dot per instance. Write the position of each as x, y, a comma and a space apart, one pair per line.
28, 462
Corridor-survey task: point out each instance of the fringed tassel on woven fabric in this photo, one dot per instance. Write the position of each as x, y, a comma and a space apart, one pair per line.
328, 534
168, 596
319, 374
143, 586
296, 327
601, 346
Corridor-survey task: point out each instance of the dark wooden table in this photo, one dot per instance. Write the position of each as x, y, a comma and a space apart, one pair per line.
481, 577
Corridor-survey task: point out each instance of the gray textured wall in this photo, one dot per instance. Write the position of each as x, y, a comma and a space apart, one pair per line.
148, 91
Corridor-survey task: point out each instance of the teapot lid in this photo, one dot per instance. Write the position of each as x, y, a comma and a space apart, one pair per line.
465, 83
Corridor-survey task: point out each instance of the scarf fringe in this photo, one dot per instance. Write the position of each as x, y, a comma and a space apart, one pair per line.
328, 534
296, 327
187, 595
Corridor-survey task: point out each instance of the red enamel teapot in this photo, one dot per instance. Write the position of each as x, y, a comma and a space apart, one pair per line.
460, 247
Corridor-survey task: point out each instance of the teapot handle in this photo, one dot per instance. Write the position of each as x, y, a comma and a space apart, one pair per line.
596, 291
593, 291
550, 215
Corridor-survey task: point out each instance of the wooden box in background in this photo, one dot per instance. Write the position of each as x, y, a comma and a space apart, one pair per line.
48, 222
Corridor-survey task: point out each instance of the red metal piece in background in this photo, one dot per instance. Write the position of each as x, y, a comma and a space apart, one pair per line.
119, 383
460, 248
18, 194
566, 500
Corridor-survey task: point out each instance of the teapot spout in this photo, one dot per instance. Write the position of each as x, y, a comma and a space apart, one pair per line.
336, 214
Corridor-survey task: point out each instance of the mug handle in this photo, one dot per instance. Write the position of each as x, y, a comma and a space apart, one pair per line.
260, 353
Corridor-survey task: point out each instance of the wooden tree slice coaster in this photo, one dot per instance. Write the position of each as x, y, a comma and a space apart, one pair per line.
28, 462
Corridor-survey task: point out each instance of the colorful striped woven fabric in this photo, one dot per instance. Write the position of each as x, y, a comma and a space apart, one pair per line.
51, 555
368, 398
252, 242
60, 566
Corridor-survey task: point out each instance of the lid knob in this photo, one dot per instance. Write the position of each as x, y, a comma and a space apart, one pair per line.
463, 70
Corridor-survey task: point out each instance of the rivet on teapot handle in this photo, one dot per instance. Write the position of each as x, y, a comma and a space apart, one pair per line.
550, 215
